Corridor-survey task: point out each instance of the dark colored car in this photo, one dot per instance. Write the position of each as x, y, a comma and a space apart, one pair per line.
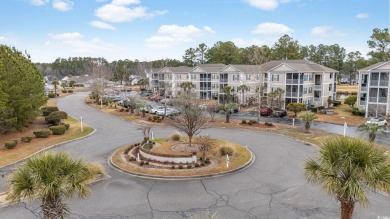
266, 111
280, 113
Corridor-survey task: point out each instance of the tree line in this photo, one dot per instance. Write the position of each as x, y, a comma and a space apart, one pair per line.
285, 48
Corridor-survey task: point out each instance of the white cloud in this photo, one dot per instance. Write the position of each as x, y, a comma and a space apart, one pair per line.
39, 2
272, 29
66, 36
102, 25
326, 31
125, 2
173, 35
239, 42
118, 12
3, 39
62, 5
266, 4
75, 43
362, 16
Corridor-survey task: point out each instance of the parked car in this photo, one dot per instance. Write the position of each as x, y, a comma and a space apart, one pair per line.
379, 121
280, 113
168, 112
266, 111
155, 109
145, 93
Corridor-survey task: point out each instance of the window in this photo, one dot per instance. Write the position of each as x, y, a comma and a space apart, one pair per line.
193, 77
330, 87
330, 75
305, 90
212, 85
257, 77
187, 77
310, 77
236, 77
310, 90
275, 77
217, 76
305, 77
213, 76
248, 77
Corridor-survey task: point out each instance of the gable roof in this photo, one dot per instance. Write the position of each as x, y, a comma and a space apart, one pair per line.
212, 67
248, 68
180, 69
374, 66
300, 65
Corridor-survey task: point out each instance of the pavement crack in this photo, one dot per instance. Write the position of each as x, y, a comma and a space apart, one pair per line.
149, 203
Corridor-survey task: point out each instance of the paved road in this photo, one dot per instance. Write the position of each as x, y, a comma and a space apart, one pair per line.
273, 187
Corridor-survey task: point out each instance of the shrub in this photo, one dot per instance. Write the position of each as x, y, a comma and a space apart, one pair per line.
53, 119
173, 167
26, 139
158, 120
207, 161
320, 107
148, 146
268, 124
70, 91
243, 122
10, 144
141, 163
253, 121
196, 165
49, 109
180, 166
314, 109
202, 164
132, 159
61, 114
58, 129
127, 110
149, 118
51, 95
121, 110
226, 151
355, 111
147, 163
44, 133
63, 91
175, 137
189, 166
66, 126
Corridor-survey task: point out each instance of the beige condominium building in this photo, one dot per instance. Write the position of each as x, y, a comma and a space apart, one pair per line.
303, 81
373, 95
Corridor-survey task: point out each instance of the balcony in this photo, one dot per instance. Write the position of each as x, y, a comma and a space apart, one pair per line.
223, 80
317, 87
293, 81
374, 82
362, 103
377, 99
317, 99
383, 83
382, 100
364, 89
292, 94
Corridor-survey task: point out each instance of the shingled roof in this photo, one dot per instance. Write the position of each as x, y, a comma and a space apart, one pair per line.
300, 65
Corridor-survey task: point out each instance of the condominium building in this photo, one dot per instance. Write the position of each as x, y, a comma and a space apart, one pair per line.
374, 92
303, 81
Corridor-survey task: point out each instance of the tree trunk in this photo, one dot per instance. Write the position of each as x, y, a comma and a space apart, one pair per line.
53, 209
371, 137
143, 113
347, 208
307, 127
131, 110
227, 117
190, 140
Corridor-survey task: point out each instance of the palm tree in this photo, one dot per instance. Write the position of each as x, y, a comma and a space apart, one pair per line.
243, 88
228, 92
371, 129
278, 93
187, 86
346, 168
72, 83
271, 98
307, 118
64, 85
146, 83
55, 83
228, 109
52, 177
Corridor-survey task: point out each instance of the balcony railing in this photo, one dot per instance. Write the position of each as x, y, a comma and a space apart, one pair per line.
362, 103
382, 100
383, 83
373, 99
293, 81
374, 82
317, 87
377, 99
223, 80
363, 88
291, 94
316, 99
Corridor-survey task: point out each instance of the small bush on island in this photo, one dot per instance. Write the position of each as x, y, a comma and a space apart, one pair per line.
189, 166
44, 133
175, 137
58, 129
268, 124
141, 163
180, 166
10, 144
243, 122
26, 139
226, 151
53, 119
51, 95
49, 109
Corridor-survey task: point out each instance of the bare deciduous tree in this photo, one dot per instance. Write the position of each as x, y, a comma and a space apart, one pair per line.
191, 119
212, 110
205, 144
146, 131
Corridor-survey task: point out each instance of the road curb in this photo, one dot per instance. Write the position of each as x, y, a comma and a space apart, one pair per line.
145, 176
5, 203
50, 147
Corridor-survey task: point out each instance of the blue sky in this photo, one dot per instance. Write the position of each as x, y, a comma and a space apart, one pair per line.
155, 29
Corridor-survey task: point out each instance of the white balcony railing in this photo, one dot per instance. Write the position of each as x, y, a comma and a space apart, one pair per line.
316, 99
293, 81
373, 99
377, 99
317, 87
362, 103
374, 82
363, 88
292, 94
382, 100
383, 83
